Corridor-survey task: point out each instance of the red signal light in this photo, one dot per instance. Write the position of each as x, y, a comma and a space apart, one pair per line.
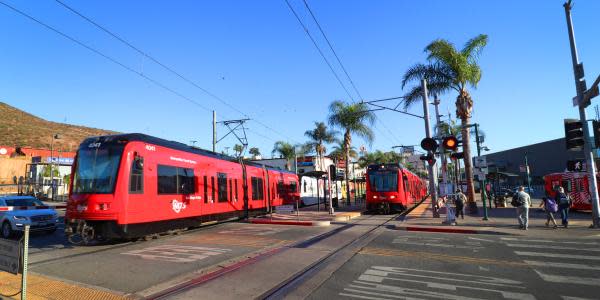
450, 143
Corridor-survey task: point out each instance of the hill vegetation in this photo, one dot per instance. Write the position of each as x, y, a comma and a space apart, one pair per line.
19, 128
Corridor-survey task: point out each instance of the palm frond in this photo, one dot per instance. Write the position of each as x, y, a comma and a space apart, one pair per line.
474, 46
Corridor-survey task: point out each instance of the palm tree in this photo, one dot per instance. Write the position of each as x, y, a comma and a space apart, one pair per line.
338, 151
255, 152
238, 149
354, 119
284, 150
317, 137
451, 69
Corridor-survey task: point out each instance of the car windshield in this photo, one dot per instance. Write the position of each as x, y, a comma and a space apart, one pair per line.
383, 181
24, 202
96, 169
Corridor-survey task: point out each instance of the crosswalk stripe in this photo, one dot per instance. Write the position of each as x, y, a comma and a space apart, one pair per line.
575, 298
549, 241
560, 265
402, 291
367, 297
552, 247
569, 279
557, 255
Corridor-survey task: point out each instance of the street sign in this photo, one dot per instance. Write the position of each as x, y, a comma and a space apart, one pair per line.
10, 256
576, 165
480, 161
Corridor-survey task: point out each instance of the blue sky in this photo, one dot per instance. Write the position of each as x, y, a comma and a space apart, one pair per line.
255, 56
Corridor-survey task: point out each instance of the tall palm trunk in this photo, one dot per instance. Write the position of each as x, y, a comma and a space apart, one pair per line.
347, 141
467, 159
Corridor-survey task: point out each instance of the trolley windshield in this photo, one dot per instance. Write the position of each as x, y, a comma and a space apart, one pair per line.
383, 181
96, 170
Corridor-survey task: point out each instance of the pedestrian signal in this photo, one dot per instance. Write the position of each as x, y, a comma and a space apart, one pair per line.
573, 134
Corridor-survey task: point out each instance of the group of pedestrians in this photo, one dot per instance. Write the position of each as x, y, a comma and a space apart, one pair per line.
560, 203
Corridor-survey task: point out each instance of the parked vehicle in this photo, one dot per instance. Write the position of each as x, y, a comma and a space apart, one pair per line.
391, 187
18, 211
132, 185
528, 190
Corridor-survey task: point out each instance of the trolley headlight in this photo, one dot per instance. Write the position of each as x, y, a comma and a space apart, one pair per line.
392, 197
374, 196
20, 218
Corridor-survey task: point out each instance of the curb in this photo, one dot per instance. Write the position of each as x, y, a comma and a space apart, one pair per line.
449, 230
347, 216
296, 223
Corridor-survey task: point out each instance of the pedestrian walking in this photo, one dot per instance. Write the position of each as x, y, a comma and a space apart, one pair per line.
550, 207
523, 202
564, 203
459, 203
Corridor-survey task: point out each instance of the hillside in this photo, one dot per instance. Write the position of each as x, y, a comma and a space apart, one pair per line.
19, 128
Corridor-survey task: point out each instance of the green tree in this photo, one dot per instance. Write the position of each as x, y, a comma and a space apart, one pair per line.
238, 149
284, 150
318, 137
450, 69
380, 157
254, 151
46, 171
353, 119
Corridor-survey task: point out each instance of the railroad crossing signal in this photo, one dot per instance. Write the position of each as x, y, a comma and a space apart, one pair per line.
429, 144
573, 134
430, 158
457, 155
450, 143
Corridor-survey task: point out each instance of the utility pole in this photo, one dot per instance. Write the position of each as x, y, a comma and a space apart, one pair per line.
432, 168
437, 102
587, 149
527, 171
482, 181
214, 125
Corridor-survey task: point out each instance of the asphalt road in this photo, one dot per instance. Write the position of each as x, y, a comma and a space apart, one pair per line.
406, 265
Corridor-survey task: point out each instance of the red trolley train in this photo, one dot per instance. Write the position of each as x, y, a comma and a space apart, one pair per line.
575, 184
391, 187
133, 185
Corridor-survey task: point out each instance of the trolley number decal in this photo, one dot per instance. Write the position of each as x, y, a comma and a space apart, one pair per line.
176, 253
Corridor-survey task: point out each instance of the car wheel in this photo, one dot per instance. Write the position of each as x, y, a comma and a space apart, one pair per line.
6, 230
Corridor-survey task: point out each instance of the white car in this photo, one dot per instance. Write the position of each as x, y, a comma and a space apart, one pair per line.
18, 211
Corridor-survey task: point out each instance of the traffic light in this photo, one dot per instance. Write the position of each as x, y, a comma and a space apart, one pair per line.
450, 143
457, 155
332, 171
430, 158
596, 128
573, 134
429, 144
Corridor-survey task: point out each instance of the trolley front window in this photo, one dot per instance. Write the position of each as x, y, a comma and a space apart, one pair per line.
383, 181
96, 170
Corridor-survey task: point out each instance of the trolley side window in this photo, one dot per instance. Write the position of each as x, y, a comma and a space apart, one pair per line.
205, 189
566, 184
136, 177
222, 187
212, 186
230, 189
293, 187
174, 180
236, 190
257, 188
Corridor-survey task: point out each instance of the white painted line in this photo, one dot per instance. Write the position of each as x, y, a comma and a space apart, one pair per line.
557, 255
569, 279
436, 245
575, 298
549, 241
403, 291
560, 265
371, 275
552, 247
398, 270
480, 239
363, 297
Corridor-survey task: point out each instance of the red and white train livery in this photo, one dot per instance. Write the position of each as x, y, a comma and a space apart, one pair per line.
391, 187
132, 185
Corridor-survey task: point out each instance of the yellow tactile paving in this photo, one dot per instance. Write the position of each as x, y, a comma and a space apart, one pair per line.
40, 287
421, 209
248, 241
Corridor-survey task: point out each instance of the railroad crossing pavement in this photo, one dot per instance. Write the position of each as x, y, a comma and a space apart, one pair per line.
415, 265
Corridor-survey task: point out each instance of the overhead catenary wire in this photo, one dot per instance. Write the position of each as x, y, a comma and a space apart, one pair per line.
166, 67
319, 49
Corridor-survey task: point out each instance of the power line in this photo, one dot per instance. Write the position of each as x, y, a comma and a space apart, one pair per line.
319, 49
168, 68
332, 50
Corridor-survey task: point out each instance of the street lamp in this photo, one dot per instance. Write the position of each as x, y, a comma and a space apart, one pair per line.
56, 136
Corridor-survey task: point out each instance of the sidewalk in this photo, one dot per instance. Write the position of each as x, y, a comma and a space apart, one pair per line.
501, 221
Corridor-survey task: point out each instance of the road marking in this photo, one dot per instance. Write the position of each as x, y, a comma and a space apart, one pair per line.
551, 247
435, 245
569, 279
556, 255
438, 256
176, 253
575, 298
231, 240
262, 230
480, 239
549, 241
560, 265
382, 282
